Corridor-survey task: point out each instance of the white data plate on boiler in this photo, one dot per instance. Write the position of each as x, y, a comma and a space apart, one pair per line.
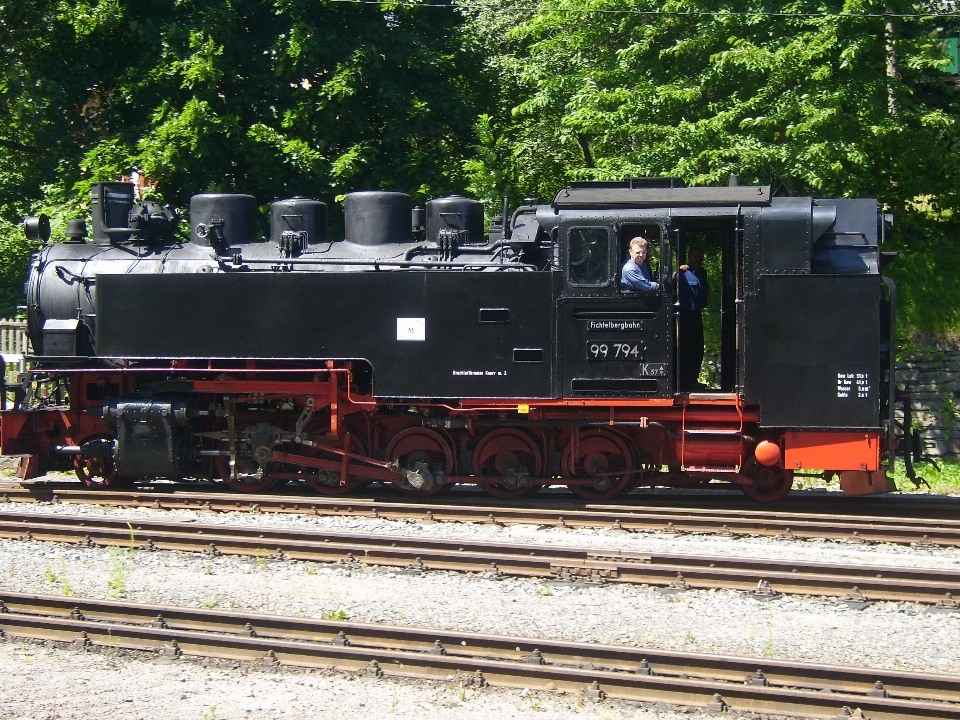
412, 329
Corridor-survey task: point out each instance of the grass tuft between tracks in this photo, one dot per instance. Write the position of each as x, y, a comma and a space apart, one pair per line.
943, 479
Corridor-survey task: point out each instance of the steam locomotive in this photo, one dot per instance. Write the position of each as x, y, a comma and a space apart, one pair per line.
427, 348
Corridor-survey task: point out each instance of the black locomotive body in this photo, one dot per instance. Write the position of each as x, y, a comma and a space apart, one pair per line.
421, 352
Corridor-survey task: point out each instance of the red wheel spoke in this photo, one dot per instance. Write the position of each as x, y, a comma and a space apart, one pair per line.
250, 476
96, 473
605, 457
327, 482
424, 450
769, 484
513, 458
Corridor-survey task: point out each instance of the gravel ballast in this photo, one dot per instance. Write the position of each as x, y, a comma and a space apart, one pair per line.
43, 683
583, 537
887, 635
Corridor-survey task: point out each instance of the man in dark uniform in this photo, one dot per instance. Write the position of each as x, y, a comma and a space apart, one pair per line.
692, 290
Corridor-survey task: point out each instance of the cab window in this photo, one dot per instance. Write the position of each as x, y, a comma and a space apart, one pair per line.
652, 234
589, 257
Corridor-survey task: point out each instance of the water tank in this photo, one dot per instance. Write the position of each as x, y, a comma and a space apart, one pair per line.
377, 218
223, 219
298, 215
111, 203
455, 212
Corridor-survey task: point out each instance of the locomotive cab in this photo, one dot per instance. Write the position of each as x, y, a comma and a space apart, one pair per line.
614, 342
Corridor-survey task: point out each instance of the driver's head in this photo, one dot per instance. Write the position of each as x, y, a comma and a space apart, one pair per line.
638, 250
695, 257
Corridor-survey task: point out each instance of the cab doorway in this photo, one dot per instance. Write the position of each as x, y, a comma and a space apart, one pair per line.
716, 241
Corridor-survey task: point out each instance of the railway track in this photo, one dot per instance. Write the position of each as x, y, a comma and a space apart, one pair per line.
942, 531
709, 681
675, 572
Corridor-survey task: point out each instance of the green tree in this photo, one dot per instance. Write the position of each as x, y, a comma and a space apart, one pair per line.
270, 97
839, 98
621, 87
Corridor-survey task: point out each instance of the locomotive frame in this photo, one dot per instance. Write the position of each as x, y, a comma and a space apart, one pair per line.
422, 354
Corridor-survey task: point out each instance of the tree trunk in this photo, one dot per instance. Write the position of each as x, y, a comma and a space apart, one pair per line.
585, 149
893, 73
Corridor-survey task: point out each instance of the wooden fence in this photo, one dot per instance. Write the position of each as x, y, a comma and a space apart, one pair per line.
14, 347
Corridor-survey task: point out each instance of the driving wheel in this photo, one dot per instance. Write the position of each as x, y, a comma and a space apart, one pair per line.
511, 459
95, 472
769, 484
606, 458
251, 476
426, 455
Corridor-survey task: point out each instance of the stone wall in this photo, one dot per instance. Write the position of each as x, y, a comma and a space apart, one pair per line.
934, 379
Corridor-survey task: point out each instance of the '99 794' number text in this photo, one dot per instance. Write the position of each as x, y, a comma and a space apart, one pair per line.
624, 351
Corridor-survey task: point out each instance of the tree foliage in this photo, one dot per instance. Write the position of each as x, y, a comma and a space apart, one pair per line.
836, 96
518, 97
635, 87
270, 97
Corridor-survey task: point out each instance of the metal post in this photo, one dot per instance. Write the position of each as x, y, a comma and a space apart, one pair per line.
892, 384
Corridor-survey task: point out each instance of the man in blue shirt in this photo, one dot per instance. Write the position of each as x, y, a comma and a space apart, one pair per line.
635, 274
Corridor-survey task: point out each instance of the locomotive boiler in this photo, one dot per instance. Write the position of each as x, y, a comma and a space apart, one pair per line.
427, 348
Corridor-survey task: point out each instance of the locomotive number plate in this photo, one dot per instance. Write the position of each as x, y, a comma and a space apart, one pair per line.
600, 350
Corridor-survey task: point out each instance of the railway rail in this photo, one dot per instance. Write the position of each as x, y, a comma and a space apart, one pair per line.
763, 577
596, 671
942, 531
